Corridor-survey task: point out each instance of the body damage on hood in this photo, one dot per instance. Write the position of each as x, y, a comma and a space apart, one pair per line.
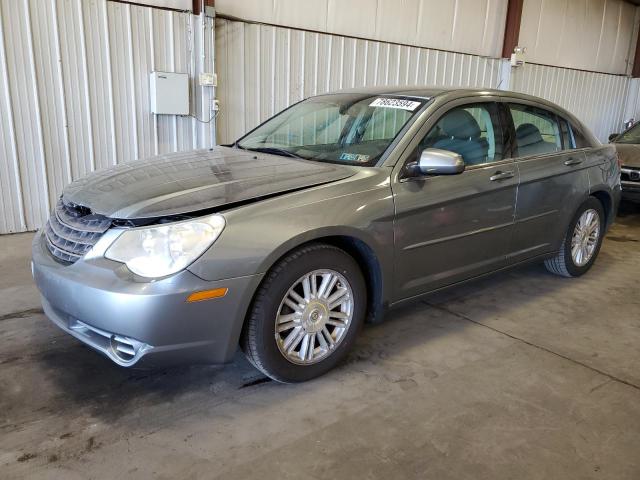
178, 185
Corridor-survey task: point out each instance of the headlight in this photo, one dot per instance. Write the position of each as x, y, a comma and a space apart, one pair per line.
165, 249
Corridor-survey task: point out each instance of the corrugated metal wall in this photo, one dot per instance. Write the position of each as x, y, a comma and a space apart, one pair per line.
263, 69
597, 99
74, 80
597, 35
469, 26
74, 87
632, 108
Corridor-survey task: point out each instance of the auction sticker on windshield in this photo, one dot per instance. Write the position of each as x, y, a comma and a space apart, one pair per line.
354, 157
395, 103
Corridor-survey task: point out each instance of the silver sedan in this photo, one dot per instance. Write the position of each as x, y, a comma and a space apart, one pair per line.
326, 215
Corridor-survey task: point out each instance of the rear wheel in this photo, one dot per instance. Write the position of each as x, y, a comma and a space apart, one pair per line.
306, 314
582, 241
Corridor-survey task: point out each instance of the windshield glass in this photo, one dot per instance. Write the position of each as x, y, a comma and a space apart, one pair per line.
630, 136
340, 128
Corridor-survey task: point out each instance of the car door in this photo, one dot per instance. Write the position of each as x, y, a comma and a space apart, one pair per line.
553, 179
452, 227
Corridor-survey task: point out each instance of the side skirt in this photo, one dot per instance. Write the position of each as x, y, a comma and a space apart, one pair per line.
528, 261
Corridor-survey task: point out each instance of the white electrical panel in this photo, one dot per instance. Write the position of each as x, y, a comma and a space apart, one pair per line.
169, 93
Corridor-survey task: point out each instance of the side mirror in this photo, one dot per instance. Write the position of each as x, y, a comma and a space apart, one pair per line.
613, 136
434, 161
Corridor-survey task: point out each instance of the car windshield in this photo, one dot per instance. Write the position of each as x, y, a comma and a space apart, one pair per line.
630, 136
340, 128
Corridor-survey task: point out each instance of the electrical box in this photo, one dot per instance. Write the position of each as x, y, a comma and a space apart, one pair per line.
169, 93
208, 80
518, 56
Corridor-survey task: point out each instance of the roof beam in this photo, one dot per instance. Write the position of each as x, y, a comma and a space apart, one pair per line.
512, 27
199, 5
635, 70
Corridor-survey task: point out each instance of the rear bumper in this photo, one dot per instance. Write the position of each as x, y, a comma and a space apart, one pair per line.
133, 322
631, 191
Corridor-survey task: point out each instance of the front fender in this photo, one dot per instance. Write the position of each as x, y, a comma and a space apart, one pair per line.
257, 235
317, 235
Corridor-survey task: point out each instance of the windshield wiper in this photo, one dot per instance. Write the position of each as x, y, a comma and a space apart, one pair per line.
274, 151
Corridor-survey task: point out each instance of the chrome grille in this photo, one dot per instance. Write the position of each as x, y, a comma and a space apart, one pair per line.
72, 231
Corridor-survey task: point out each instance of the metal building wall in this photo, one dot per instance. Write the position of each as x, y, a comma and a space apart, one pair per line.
74, 80
263, 69
74, 87
469, 26
598, 99
632, 108
597, 35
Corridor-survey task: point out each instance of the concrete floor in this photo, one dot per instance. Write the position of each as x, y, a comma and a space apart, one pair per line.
523, 375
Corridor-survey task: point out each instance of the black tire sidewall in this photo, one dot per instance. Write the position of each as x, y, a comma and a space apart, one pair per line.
271, 295
572, 268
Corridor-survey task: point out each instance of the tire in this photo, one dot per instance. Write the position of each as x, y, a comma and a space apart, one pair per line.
564, 263
268, 350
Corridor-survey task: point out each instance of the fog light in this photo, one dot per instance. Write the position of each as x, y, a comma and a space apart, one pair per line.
123, 348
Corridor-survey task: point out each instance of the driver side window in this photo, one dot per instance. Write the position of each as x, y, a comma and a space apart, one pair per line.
472, 131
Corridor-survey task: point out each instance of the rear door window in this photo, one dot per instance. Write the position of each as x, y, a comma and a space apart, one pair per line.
537, 130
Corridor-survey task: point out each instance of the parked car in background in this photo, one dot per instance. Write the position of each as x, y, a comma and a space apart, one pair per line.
330, 212
628, 146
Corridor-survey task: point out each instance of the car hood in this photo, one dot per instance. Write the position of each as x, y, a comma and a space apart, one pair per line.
186, 182
629, 154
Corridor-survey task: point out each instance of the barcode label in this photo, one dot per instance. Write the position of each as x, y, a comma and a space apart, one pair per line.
395, 103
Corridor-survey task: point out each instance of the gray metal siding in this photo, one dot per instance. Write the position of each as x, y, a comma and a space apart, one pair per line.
469, 26
74, 94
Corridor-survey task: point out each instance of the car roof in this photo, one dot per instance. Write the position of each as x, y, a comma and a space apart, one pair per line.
452, 93
404, 90
428, 92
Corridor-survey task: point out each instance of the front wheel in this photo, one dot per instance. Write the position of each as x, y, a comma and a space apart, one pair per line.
582, 241
306, 314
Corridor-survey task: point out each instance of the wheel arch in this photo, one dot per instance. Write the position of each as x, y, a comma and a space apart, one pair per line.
606, 200
370, 267
356, 244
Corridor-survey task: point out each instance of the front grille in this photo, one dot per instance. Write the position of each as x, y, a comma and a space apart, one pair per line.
72, 231
630, 174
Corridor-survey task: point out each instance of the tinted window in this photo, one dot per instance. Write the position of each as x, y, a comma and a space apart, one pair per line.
537, 130
473, 131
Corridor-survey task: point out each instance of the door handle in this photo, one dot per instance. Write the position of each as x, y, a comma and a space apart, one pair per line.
573, 161
501, 175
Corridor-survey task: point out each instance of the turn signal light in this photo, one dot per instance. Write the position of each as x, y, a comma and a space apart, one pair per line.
207, 295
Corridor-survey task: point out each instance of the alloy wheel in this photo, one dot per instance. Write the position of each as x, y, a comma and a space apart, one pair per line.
585, 237
314, 316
